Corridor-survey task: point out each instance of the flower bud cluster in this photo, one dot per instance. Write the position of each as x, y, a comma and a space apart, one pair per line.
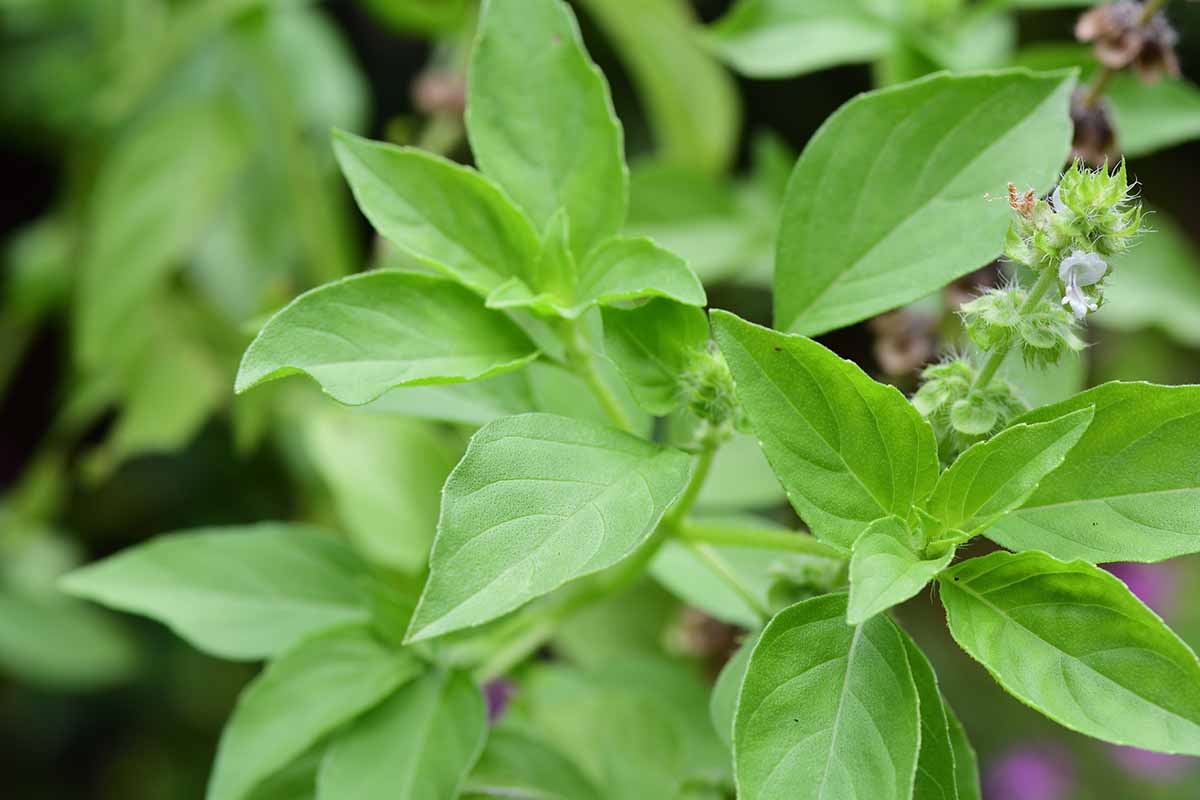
995, 321
708, 389
960, 412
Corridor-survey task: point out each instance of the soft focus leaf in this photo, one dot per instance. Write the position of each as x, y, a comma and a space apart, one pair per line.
1070, 640
541, 122
722, 703
515, 764
827, 711
417, 744
300, 698
539, 500
847, 449
878, 203
366, 334
1128, 491
244, 593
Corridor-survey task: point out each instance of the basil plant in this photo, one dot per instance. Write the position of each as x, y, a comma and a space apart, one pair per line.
603, 396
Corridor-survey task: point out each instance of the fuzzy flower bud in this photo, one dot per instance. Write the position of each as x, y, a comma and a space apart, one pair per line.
708, 388
995, 321
960, 415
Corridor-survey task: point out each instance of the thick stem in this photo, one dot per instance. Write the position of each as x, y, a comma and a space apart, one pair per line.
760, 538
583, 360
1047, 279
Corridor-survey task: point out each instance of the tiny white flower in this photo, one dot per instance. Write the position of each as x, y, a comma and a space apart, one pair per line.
1056, 201
1077, 270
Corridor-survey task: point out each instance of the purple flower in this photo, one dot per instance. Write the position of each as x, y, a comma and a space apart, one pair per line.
1153, 584
1148, 766
497, 693
1030, 773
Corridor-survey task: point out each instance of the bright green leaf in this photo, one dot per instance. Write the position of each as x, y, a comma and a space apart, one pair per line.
539, 500
366, 334
419, 743
1071, 640
515, 764
300, 698
937, 774
633, 267
541, 122
885, 570
827, 711
653, 345
244, 593
996, 476
1128, 491
966, 764
879, 203
782, 38
847, 449
443, 215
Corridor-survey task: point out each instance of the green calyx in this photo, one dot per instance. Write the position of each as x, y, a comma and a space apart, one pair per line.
960, 412
996, 321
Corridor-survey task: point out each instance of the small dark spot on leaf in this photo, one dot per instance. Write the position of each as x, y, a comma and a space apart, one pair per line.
778, 349
557, 40
795, 719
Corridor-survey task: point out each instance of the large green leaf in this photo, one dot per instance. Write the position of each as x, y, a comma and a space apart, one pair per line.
966, 763
692, 103
1129, 490
637, 729
878, 204
243, 593
536, 501
366, 334
847, 449
386, 477
886, 570
419, 743
541, 121
515, 764
154, 196
996, 476
653, 345
443, 215
937, 773
300, 698
827, 711
1070, 640
781, 38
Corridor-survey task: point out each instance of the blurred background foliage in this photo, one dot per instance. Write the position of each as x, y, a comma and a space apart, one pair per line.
170, 182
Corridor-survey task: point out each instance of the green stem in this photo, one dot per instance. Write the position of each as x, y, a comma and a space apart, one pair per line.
710, 557
703, 465
759, 538
583, 360
1047, 279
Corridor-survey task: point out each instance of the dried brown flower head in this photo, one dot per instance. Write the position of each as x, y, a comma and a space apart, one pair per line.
1121, 37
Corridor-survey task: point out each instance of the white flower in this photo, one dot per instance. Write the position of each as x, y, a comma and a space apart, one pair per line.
1077, 270
1056, 201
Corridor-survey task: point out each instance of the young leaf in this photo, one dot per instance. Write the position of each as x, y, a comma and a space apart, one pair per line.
996, 476
653, 346
239, 593
937, 774
827, 711
443, 215
366, 334
782, 38
1070, 640
541, 121
847, 449
886, 571
722, 703
419, 743
539, 500
308, 692
515, 764
1128, 491
879, 203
